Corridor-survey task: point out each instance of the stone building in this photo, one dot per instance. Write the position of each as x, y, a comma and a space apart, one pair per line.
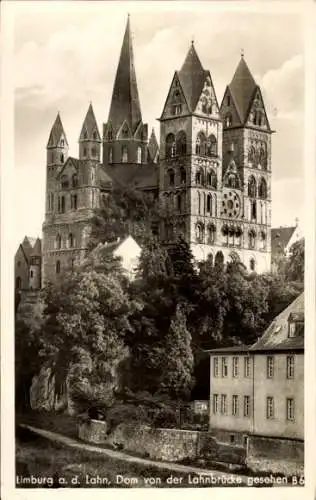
258, 391
27, 264
212, 169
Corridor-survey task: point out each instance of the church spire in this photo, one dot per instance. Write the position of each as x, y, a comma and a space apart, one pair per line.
125, 106
90, 131
192, 77
242, 88
57, 134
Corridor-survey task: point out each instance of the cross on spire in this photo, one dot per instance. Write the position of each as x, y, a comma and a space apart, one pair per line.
242, 53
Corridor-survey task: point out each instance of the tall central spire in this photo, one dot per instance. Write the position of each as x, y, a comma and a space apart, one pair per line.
125, 104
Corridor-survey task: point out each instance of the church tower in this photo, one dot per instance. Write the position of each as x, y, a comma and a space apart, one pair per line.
73, 192
246, 197
125, 136
190, 158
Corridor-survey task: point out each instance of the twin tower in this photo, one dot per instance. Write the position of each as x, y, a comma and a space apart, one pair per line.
212, 171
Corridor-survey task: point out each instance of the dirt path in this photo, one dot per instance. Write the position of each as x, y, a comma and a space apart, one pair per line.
219, 477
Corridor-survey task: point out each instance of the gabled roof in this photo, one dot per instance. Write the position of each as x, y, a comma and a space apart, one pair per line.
105, 179
276, 335
125, 103
280, 237
37, 248
192, 77
70, 160
56, 133
242, 89
31, 246
89, 126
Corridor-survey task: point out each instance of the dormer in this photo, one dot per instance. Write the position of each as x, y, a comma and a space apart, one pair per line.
295, 325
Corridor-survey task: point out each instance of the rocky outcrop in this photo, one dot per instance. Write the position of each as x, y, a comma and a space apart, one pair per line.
43, 395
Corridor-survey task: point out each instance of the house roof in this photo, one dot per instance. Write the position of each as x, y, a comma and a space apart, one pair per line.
125, 105
280, 237
31, 246
192, 77
242, 89
275, 338
276, 335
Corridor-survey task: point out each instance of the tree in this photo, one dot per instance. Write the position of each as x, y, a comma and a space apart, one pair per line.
177, 363
294, 269
87, 317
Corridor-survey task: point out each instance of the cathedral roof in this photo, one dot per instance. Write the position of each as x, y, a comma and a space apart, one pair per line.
125, 105
56, 133
242, 88
192, 78
89, 126
153, 147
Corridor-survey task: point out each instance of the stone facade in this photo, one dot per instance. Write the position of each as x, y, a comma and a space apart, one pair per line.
214, 172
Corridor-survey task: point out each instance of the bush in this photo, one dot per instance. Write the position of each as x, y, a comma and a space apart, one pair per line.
125, 413
165, 417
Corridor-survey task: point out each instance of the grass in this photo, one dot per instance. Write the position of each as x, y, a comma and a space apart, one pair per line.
60, 423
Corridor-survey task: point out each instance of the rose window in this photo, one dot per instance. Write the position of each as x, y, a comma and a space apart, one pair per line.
231, 204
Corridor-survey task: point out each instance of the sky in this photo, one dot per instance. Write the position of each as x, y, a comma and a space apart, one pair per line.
66, 55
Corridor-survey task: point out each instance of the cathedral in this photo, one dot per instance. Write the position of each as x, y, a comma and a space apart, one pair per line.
212, 169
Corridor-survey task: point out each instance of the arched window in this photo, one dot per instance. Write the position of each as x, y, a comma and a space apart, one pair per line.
199, 177
124, 154
64, 181
84, 152
209, 203
170, 146
18, 283
200, 146
70, 240
181, 143
199, 232
57, 266
263, 157
63, 207
228, 120
263, 240
93, 152
183, 176
110, 155
219, 259
62, 157
252, 187
251, 154
252, 264
74, 180
199, 203
232, 181
253, 210
139, 154
262, 188
73, 201
252, 238
211, 145
212, 179
211, 233
238, 233
171, 177
58, 242
62, 143
94, 136
179, 202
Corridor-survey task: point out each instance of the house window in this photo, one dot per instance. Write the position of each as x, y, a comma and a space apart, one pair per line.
290, 412
224, 404
215, 403
235, 407
57, 267
270, 367
211, 234
215, 367
199, 177
228, 100
199, 233
235, 366
292, 329
246, 367
124, 154
290, 367
62, 143
228, 121
62, 157
252, 239
73, 201
263, 188
31, 274
211, 145
270, 407
209, 203
224, 367
246, 406
181, 143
